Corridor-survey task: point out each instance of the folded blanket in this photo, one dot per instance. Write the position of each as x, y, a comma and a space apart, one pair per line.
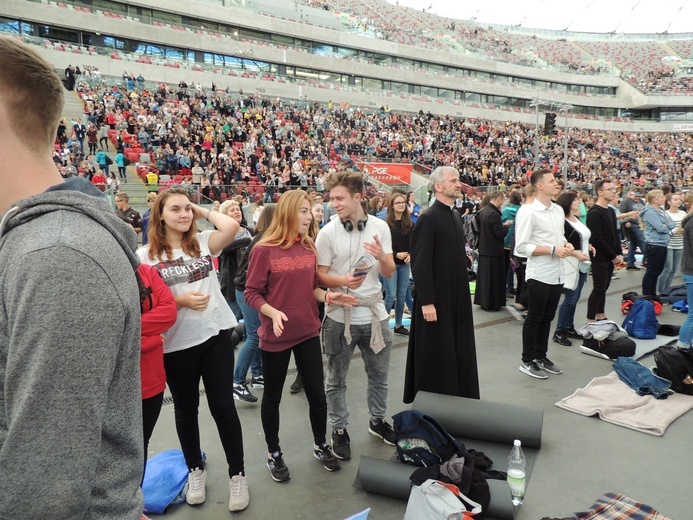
611, 399
611, 506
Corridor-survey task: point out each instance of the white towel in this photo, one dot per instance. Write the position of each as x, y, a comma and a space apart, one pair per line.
614, 402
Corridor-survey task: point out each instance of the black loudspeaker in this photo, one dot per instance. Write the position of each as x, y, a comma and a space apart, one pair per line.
349, 225
550, 124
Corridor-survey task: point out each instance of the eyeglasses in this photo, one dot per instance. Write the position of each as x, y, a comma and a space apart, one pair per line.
398, 203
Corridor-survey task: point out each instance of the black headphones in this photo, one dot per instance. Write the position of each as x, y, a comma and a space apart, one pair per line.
349, 225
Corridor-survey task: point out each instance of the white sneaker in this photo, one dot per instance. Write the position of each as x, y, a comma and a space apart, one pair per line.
197, 479
239, 496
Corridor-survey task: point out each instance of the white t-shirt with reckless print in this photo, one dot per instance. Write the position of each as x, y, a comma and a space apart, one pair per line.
183, 273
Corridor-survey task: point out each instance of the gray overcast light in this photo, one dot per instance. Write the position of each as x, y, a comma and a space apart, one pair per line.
595, 16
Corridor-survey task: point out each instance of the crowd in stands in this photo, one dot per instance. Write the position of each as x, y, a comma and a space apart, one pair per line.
223, 142
635, 59
648, 65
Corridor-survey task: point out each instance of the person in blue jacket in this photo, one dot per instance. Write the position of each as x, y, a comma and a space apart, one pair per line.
658, 226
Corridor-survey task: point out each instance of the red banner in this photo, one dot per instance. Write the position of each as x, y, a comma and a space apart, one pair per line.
387, 173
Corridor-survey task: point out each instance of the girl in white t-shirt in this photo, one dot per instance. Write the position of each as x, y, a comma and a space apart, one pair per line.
675, 247
199, 343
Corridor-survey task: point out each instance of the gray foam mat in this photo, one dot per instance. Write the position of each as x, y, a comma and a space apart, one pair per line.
485, 426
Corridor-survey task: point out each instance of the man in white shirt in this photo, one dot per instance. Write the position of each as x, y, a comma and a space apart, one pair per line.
350, 237
539, 236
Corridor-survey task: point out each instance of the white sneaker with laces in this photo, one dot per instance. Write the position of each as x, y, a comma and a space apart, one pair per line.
197, 479
239, 496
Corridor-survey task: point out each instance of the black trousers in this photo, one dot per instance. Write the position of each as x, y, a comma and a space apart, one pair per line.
601, 280
521, 288
542, 299
309, 363
151, 407
656, 259
213, 362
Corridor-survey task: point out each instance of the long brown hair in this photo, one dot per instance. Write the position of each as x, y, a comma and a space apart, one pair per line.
265, 219
158, 245
283, 230
407, 224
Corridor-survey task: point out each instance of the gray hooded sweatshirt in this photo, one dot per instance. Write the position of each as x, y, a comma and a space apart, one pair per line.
70, 402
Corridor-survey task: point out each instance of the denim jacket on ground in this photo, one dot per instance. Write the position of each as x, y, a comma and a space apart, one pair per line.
641, 379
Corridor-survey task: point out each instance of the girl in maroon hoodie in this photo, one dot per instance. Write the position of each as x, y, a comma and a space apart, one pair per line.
159, 313
282, 285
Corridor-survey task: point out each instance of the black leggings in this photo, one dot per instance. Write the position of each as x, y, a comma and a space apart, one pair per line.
150, 414
213, 361
103, 140
92, 148
309, 363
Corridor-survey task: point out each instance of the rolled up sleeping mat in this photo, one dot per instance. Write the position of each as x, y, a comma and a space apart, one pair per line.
391, 478
487, 421
385, 477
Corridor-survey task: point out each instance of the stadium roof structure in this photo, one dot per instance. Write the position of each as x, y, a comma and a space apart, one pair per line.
577, 16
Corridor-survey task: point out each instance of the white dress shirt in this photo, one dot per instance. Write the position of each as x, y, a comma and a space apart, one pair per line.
540, 225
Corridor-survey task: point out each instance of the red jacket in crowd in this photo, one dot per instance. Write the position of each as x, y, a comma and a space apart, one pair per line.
159, 313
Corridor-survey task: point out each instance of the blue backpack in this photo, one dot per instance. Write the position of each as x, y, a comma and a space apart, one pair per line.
641, 322
422, 441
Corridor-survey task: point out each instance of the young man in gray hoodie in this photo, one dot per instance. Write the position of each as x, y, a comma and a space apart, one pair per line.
70, 419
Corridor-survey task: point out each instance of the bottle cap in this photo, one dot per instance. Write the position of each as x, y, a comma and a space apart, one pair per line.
517, 442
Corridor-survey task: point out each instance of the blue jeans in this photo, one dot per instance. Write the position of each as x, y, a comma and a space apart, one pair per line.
339, 355
566, 312
249, 355
635, 238
235, 308
396, 292
686, 332
671, 265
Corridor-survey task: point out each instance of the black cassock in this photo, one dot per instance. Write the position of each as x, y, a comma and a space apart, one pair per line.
442, 354
490, 275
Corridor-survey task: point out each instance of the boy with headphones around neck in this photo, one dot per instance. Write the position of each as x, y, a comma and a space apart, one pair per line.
340, 244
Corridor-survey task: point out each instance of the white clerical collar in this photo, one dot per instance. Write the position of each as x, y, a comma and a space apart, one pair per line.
450, 206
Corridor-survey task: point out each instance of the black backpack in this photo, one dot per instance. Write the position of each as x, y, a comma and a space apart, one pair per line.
676, 365
612, 348
471, 231
422, 441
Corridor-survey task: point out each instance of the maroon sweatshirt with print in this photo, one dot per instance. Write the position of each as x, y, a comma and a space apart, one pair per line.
284, 279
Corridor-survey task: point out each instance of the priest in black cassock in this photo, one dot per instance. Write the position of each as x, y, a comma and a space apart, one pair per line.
442, 351
491, 273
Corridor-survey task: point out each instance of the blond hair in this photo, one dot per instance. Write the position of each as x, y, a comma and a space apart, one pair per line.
283, 230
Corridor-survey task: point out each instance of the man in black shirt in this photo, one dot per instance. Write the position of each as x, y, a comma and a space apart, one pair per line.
601, 221
127, 213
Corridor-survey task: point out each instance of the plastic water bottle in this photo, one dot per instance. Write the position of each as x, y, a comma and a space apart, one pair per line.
516, 473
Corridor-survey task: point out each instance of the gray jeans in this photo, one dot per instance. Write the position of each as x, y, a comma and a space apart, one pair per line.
339, 355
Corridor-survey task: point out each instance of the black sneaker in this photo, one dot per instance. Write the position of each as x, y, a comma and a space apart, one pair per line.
572, 333
561, 337
382, 430
241, 393
401, 330
257, 382
297, 385
633, 268
277, 468
341, 444
547, 366
325, 455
